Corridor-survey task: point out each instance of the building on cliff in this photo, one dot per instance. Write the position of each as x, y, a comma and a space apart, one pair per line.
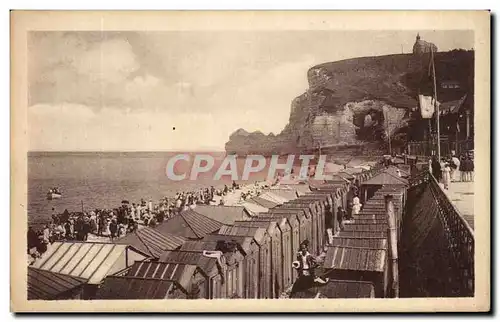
422, 46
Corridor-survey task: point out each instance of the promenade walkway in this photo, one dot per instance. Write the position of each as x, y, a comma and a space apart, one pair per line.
461, 195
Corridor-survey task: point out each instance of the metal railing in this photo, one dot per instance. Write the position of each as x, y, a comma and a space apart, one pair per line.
424, 148
458, 233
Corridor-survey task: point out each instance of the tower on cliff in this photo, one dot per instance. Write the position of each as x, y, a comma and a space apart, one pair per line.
422, 46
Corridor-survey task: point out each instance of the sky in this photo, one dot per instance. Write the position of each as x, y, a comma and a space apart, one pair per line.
182, 90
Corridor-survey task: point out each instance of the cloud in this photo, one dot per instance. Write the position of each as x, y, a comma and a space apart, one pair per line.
109, 61
127, 90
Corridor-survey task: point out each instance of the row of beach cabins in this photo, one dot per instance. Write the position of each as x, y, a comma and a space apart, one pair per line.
213, 252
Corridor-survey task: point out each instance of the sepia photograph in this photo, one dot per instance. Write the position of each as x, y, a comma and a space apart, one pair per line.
259, 158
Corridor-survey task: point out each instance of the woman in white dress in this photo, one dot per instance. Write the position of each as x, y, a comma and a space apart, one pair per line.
446, 175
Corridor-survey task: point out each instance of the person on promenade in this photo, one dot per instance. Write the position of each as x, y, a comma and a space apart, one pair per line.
436, 168
470, 168
446, 176
462, 168
454, 166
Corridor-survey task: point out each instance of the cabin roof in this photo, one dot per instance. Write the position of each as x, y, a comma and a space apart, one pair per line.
126, 288
288, 194
269, 224
244, 241
339, 289
379, 243
91, 261
263, 202
385, 178
355, 259
394, 171
213, 245
178, 272
189, 224
253, 207
257, 233
280, 220
363, 234
299, 188
151, 241
365, 227
223, 214
46, 285
206, 264
270, 196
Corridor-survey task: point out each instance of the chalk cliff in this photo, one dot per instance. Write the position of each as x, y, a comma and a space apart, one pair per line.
357, 102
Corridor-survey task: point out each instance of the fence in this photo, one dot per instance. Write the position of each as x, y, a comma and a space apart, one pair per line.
424, 148
458, 233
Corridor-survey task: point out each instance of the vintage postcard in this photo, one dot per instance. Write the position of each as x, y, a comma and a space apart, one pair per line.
250, 161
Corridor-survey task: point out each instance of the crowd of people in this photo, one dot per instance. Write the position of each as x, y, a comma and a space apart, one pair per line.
117, 222
452, 169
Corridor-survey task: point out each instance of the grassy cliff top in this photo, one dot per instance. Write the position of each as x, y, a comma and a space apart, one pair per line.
395, 79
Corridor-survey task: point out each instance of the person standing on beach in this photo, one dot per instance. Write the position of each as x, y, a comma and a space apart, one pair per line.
32, 238
113, 229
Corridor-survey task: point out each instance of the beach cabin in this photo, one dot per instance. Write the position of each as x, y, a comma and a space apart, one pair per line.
250, 261
305, 220
223, 214
314, 209
338, 199
234, 256
263, 240
47, 285
285, 261
154, 280
90, 261
211, 268
150, 241
382, 179
327, 218
324, 204
291, 246
343, 263
275, 278
190, 225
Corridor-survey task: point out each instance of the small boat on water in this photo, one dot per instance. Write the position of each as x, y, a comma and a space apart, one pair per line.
54, 193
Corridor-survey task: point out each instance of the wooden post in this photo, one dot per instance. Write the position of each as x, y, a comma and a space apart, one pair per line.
467, 118
436, 105
393, 243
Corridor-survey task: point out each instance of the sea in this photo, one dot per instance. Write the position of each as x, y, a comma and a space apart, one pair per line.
101, 180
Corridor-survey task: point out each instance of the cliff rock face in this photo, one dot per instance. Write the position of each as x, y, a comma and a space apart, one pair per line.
357, 102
